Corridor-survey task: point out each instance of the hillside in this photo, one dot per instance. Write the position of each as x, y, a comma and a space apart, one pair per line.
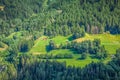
59, 39
111, 42
52, 17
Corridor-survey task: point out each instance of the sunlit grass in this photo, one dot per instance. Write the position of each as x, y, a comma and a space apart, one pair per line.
111, 42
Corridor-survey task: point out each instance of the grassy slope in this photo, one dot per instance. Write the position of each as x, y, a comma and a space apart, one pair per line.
40, 44
111, 42
75, 61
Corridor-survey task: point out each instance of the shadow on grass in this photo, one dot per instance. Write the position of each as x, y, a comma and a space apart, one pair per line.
73, 51
48, 48
80, 58
70, 38
93, 57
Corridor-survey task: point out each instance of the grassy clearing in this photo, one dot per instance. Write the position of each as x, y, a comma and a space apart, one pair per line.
62, 51
111, 42
40, 46
75, 61
42, 42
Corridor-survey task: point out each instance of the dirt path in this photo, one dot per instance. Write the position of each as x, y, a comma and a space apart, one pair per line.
5, 47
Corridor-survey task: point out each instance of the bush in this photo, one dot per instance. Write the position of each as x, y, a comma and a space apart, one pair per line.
57, 56
83, 55
102, 55
25, 45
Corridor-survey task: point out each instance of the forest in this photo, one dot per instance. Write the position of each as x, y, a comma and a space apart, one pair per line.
59, 40
29, 68
64, 17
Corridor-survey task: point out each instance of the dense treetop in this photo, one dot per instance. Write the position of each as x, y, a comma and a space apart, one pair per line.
35, 18
28, 68
60, 17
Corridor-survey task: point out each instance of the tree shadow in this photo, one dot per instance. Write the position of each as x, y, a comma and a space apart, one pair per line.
70, 38
48, 48
93, 56
73, 51
80, 58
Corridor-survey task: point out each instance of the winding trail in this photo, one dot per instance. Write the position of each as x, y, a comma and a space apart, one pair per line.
5, 47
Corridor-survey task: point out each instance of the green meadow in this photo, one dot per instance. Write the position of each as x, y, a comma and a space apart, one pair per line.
111, 43
42, 42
